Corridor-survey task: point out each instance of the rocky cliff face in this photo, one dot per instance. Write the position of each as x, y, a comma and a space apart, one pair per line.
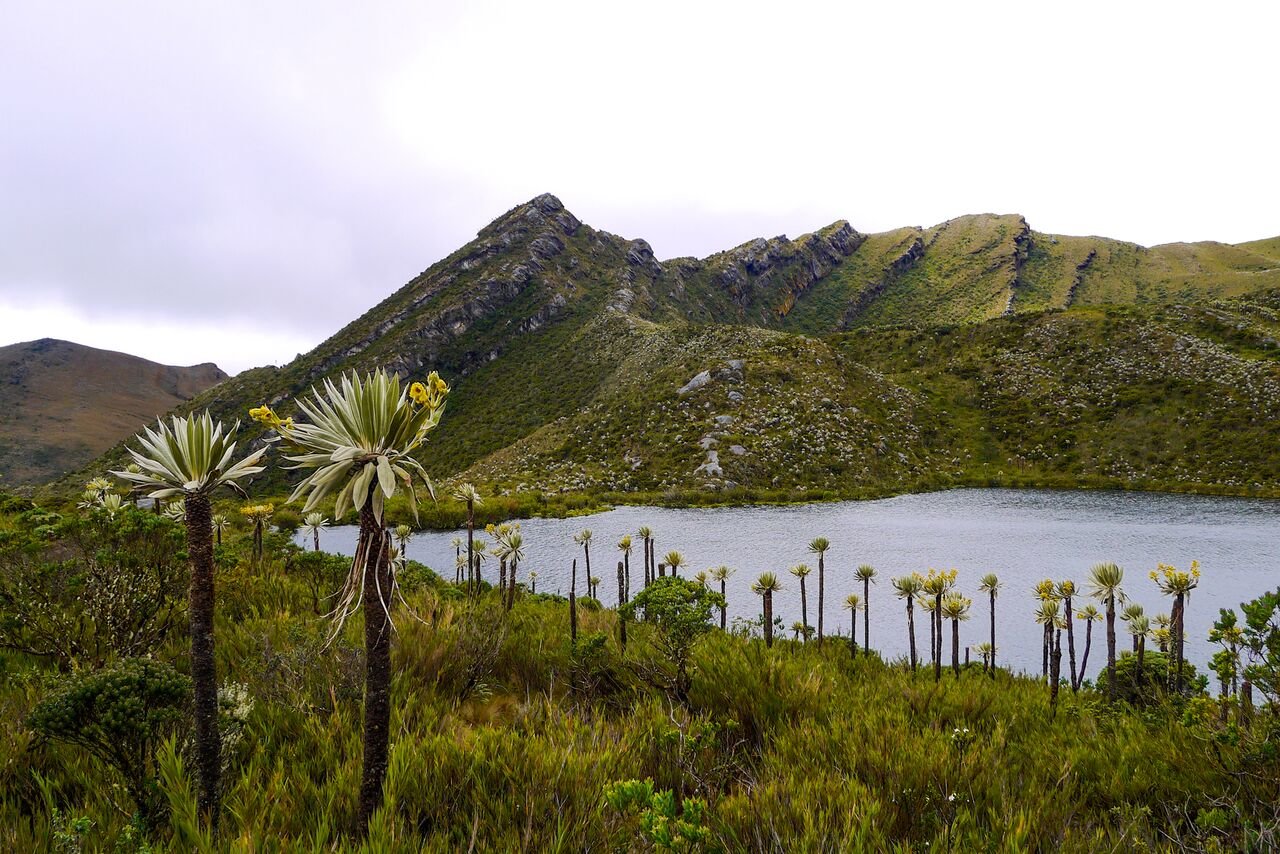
62, 404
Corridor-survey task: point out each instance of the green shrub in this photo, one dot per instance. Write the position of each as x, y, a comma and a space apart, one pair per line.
287, 521
85, 591
1151, 685
120, 715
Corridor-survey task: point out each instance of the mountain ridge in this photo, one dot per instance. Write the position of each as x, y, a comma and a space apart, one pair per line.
566, 346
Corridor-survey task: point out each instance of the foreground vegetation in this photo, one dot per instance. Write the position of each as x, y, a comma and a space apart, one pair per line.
506, 735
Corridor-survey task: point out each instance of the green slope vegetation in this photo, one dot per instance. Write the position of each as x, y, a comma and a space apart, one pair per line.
1182, 398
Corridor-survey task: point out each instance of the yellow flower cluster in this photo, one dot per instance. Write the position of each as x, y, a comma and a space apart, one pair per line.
1046, 590
1172, 580
264, 415
258, 512
936, 583
431, 394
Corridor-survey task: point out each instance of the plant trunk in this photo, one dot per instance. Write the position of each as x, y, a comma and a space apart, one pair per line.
937, 618
315, 539
1084, 661
993, 633
804, 608
502, 576
911, 631
1046, 647
586, 551
626, 574
1142, 654
1179, 605
377, 650
955, 646
853, 632
471, 544
768, 618
573, 604
822, 598
662, 570
622, 600
866, 621
724, 606
1056, 672
204, 675
1071, 641
1111, 647
511, 585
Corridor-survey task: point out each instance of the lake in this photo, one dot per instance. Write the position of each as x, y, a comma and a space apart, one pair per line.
1021, 535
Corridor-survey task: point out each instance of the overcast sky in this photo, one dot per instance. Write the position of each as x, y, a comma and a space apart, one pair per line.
233, 182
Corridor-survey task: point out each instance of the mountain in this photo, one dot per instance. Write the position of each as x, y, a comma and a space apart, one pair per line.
62, 404
975, 351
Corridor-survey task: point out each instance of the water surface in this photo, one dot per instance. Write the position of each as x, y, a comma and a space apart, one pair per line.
1021, 535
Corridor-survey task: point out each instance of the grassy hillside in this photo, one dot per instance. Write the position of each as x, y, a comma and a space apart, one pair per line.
1183, 398
63, 404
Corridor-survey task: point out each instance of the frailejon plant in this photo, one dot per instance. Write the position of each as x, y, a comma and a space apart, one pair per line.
721, 574
645, 533
955, 607
866, 573
258, 516
801, 571
583, 538
221, 524
852, 603
1177, 583
1066, 591
469, 495
820, 546
936, 585
191, 457
675, 562
765, 586
313, 523
358, 442
990, 585
1088, 615
907, 587
1104, 585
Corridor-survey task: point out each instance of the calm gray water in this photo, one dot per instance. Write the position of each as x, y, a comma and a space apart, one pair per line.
1021, 535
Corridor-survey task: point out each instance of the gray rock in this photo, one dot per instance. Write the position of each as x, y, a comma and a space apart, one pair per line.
735, 396
737, 450
724, 420
708, 442
711, 468
696, 383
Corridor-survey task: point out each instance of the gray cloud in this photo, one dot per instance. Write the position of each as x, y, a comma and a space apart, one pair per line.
284, 166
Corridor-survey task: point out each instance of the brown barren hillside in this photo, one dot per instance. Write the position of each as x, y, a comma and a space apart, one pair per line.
62, 404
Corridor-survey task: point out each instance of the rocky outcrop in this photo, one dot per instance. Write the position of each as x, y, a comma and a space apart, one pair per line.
1021, 249
1078, 277
898, 267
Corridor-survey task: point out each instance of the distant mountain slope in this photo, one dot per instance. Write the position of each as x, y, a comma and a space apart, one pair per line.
62, 404
832, 360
